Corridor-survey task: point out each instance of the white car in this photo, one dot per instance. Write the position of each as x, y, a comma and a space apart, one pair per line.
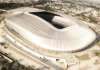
51, 31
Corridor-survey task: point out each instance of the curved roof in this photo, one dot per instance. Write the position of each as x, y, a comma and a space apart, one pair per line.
45, 35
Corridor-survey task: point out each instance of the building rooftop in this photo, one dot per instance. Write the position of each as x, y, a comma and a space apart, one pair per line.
38, 29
